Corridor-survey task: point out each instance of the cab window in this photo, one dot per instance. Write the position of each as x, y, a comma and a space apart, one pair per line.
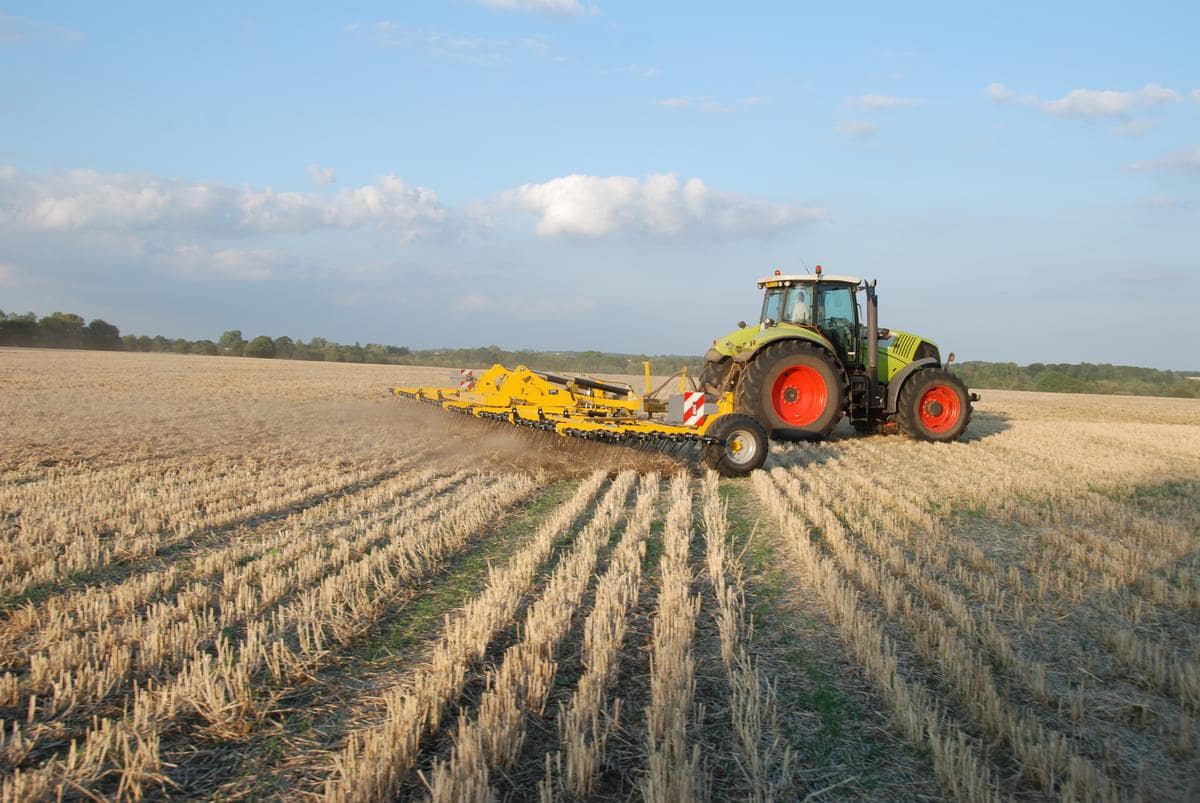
837, 316
773, 304
799, 306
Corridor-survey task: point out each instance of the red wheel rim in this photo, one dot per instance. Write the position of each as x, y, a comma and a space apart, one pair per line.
799, 395
939, 408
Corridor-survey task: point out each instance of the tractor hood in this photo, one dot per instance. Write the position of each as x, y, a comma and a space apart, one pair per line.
742, 343
901, 348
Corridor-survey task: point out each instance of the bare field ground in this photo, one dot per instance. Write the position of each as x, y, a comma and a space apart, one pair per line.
228, 578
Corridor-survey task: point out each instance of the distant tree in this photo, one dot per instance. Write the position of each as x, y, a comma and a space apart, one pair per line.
231, 343
354, 353
160, 345
181, 346
285, 349
129, 342
261, 346
60, 330
102, 335
144, 343
204, 347
18, 330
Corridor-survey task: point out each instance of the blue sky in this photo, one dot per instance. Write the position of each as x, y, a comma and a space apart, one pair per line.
1023, 181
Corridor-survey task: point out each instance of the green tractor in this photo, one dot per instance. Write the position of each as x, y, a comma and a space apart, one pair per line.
813, 359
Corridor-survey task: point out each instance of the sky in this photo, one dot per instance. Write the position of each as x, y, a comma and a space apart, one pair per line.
1023, 179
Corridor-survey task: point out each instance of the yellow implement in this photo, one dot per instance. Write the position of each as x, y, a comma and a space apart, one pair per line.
586, 407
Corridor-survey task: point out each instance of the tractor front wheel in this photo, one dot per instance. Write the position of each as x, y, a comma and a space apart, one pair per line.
740, 448
795, 389
934, 406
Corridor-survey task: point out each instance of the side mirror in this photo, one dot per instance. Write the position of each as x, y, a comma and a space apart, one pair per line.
741, 324
949, 359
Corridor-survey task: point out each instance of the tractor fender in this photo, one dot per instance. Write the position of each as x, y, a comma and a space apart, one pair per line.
712, 355
748, 354
893, 388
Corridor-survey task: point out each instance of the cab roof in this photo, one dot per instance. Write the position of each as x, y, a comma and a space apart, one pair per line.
807, 278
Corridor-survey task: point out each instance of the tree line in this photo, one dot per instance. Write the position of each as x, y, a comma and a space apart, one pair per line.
1125, 380
68, 330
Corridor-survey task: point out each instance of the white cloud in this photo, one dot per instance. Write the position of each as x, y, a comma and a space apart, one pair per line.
565, 8
1187, 161
1195, 93
250, 265
874, 103
595, 206
1002, 95
1152, 95
321, 176
707, 105
1090, 104
858, 129
87, 199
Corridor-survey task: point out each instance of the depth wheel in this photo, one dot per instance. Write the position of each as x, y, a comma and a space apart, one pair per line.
742, 445
795, 389
934, 406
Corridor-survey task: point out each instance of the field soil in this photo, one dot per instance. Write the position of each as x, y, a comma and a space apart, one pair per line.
245, 579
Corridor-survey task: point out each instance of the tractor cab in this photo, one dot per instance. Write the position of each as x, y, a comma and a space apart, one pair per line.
827, 304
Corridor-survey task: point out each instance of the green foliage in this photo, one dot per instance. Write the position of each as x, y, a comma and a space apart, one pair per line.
261, 346
60, 330
102, 335
1085, 377
231, 343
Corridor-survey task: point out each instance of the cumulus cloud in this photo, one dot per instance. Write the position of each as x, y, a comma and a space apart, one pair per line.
564, 8
257, 264
321, 176
1002, 95
595, 206
707, 105
874, 103
1187, 161
1089, 104
88, 199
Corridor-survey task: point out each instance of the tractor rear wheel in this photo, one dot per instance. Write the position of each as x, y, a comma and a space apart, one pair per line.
934, 406
714, 375
795, 389
741, 445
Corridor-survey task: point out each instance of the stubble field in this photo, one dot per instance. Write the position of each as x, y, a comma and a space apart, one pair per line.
228, 578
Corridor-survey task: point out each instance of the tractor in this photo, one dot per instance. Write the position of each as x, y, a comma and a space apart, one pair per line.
813, 358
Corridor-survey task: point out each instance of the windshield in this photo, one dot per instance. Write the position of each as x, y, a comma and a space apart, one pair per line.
788, 304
